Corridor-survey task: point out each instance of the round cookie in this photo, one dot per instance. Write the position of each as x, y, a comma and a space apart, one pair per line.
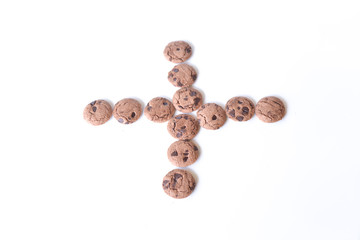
183, 153
182, 75
183, 127
211, 116
159, 110
127, 111
187, 99
270, 109
240, 109
178, 51
178, 183
97, 112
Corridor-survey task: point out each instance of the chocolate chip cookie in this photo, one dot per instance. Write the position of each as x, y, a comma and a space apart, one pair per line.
127, 111
270, 109
183, 153
178, 183
183, 127
187, 99
240, 109
182, 75
211, 116
159, 110
178, 51
97, 112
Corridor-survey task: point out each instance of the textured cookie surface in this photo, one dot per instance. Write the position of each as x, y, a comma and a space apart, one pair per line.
187, 99
182, 75
211, 116
270, 109
183, 127
178, 183
97, 112
240, 109
178, 51
127, 111
159, 110
183, 153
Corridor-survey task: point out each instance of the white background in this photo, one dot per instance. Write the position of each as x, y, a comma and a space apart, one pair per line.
61, 178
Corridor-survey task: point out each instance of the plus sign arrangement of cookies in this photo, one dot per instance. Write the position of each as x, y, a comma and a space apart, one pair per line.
180, 183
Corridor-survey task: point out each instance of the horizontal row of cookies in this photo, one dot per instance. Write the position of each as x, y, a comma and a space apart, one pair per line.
210, 116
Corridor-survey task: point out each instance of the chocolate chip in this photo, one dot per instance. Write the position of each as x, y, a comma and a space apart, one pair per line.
186, 117
240, 118
121, 120
174, 79
195, 148
93, 103
238, 108
94, 109
185, 99
227, 108
181, 107
240, 102
183, 127
165, 184
175, 70
185, 159
179, 134
149, 108
186, 150
174, 153
176, 177
232, 113
188, 50
180, 84
178, 117
165, 103
214, 117
192, 93
245, 111
196, 101
194, 77
178, 49
132, 114
192, 187
186, 153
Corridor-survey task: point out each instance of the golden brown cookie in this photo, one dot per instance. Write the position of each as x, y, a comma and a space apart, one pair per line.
159, 110
211, 116
178, 183
270, 109
127, 111
178, 51
183, 127
97, 112
183, 153
182, 75
240, 109
187, 99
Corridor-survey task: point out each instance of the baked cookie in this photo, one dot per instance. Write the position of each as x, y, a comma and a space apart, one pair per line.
127, 111
270, 109
178, 51
178, 183
183, 127
182, 75
187, 99
240, 109
97, 112
211, 116
183, 153
159, 110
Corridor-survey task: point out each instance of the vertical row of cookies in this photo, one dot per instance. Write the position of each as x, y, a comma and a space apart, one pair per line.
179, 183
